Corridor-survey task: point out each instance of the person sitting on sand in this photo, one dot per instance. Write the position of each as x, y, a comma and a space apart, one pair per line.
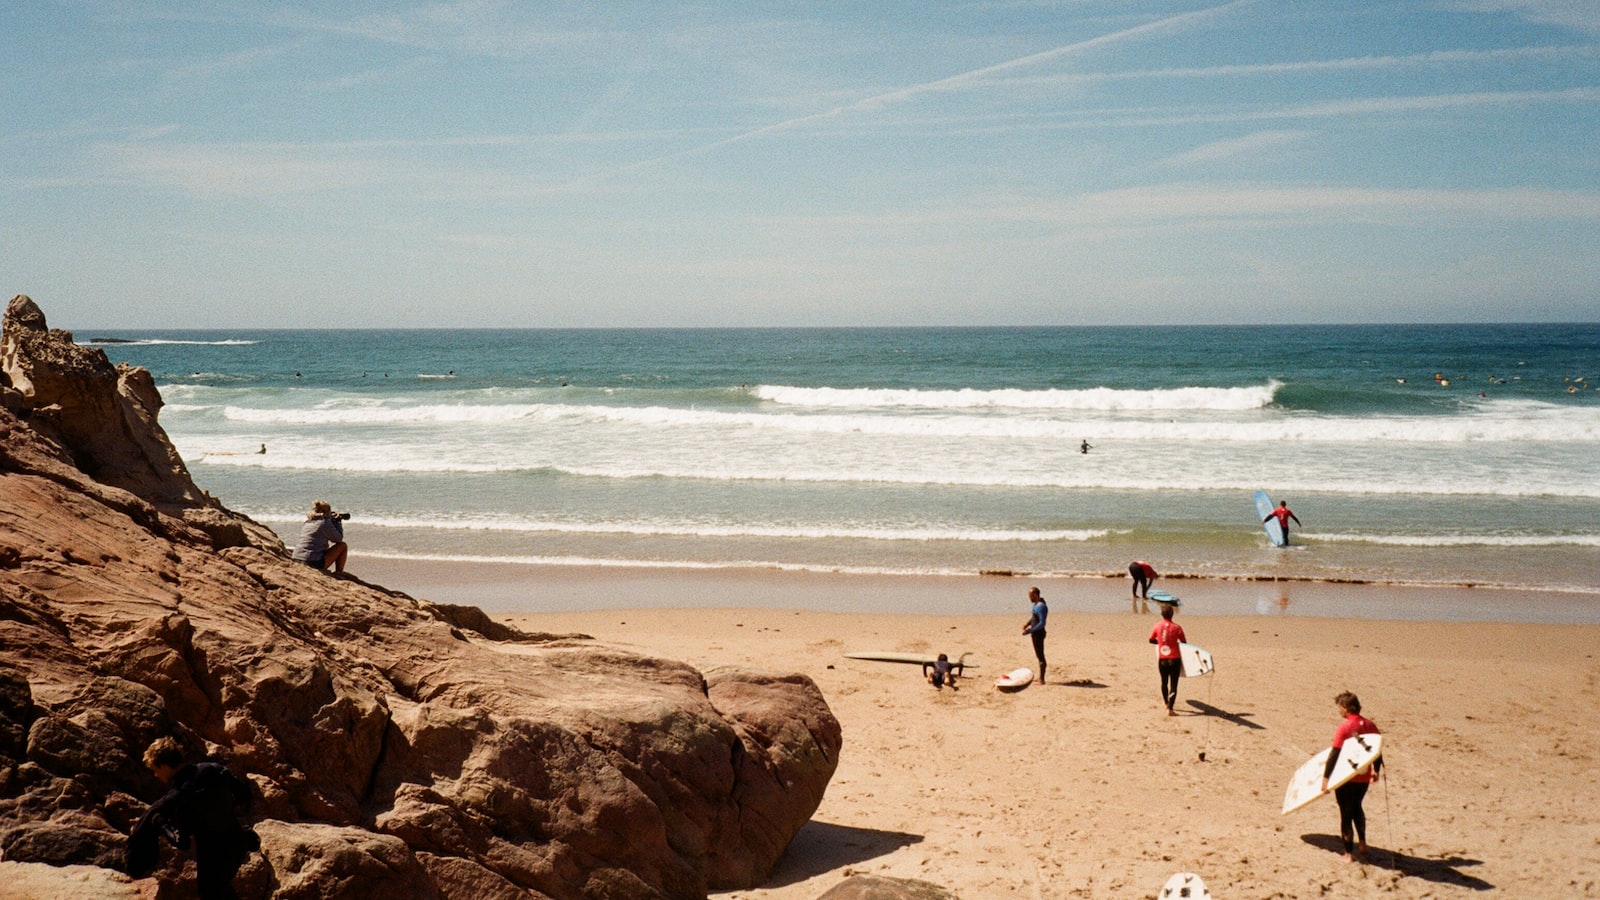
1167, 635
322, 539
942, 671
1352, 818
1035, 627
1283, 515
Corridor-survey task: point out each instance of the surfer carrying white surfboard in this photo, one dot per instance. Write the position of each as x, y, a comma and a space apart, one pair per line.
1283, 515
1035, 627
1167, 635
1352, 818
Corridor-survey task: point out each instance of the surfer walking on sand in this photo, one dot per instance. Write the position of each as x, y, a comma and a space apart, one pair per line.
1283, 515
1167, 635
1352, 818
1035, 627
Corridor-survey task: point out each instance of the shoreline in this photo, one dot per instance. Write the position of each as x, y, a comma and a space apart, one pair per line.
511, 588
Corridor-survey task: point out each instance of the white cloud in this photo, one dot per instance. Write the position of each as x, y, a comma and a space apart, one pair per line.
1248, 145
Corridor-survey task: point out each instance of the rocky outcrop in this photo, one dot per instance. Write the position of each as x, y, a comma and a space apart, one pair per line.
397, 748
101, 420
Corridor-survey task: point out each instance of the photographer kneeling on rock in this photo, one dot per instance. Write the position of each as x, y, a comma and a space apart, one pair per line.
322, 539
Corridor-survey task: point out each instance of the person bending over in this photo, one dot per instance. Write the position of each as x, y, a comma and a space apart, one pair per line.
1144, 575
200, 808
942, 671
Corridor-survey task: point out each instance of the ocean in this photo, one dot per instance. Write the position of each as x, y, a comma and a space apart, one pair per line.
1466, 454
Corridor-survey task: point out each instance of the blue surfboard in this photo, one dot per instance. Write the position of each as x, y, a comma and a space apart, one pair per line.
1272, 526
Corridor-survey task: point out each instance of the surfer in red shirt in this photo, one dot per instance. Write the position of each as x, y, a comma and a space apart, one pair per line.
1283, 515
1167, 635
1352, 818
1144, 575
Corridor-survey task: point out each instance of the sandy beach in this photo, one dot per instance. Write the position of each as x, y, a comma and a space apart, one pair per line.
1084, 787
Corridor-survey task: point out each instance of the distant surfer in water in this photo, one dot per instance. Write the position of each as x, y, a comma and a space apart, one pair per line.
1084, 447
942, 671
1283, 515
1167, 635
1035, 626
1144, 575
1352, 819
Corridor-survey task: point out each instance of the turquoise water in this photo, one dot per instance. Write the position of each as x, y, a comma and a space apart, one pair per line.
1438, 454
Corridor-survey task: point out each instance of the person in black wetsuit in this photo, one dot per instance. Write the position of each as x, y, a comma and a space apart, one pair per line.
201, 808
942, 671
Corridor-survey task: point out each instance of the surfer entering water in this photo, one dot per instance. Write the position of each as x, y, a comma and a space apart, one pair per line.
1283, 515
1167, 635
1085, 446
1035, 626
1352, 819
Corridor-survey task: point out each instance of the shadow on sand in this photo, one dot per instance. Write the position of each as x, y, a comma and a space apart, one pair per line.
1206, 709
1442, 871
1080, 683
823, 847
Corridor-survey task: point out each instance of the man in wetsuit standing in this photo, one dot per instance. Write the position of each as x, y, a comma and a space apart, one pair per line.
1035, 627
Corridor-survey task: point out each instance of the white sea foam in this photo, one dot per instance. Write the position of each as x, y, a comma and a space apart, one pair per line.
1098, 399
604, 563
157, 342
1491, 425
1467, 540
733, 530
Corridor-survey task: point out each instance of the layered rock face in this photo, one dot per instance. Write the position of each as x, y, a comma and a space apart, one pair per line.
398, 748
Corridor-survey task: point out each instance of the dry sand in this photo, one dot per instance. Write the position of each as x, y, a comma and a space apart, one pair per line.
1084, 787
1087, 788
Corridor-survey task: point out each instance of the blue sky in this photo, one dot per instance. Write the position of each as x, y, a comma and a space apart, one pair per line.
500, 163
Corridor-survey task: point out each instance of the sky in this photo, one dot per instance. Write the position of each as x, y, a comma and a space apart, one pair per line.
509, 163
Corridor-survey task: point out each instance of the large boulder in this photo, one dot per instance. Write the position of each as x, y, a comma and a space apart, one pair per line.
397, 748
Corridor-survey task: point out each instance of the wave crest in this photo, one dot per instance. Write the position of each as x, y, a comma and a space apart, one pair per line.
1099, 399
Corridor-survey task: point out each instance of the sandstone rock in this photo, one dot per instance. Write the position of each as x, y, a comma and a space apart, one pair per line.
879, 887
398, 747
38, 881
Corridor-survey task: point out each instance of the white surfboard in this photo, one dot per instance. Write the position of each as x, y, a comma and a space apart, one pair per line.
1196, 660
1014, 680
895, 656
1184, 886
1273, 527
1356, 756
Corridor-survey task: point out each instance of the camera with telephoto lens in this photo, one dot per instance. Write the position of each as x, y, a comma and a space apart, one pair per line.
343, 517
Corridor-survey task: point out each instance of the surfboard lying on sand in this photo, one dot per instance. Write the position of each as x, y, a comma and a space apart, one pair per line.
915, 659
1273, 527
1014, 680
1184, 886
1356, 756
1196, 660
1164, 597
